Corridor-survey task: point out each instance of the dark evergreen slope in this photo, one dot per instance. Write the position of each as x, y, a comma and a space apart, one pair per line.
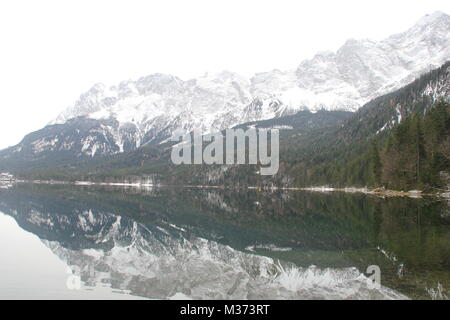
417, 152
356, 153
302, 121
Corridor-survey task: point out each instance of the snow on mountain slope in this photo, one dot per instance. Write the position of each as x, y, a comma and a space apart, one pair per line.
148, 110
361, 69
358, 72
203, 101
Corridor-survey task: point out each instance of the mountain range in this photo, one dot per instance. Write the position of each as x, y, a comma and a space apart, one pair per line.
111, 120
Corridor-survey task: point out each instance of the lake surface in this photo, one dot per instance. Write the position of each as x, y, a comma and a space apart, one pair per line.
69, 242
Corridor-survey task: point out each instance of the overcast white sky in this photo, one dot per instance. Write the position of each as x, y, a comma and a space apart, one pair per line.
52, 51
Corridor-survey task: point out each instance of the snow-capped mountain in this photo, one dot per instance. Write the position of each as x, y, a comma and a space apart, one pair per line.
358, 72
148, 110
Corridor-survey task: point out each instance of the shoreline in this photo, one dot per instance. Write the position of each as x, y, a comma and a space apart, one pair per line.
380, 192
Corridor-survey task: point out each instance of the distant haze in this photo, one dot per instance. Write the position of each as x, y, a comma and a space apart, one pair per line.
52, 51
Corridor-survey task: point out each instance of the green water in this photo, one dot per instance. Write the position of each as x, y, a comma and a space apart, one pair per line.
409, 239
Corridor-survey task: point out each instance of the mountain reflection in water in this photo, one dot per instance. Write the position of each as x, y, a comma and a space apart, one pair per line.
215, 244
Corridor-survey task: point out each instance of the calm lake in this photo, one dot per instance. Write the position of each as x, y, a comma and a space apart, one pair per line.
68, 242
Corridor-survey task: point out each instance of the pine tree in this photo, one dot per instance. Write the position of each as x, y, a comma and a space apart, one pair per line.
376, 163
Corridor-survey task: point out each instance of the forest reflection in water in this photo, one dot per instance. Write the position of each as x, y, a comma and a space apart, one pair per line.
196, 243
